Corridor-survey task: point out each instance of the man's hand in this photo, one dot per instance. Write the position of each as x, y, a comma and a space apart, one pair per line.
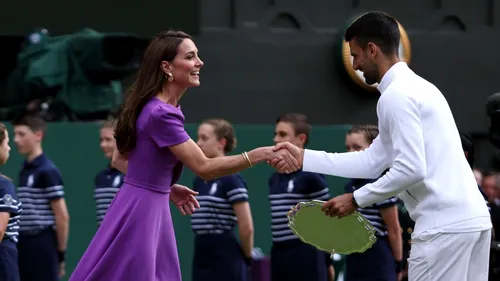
288, 150
340, 206
183, 198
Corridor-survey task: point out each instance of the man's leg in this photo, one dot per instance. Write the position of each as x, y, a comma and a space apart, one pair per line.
442, 256
480, 258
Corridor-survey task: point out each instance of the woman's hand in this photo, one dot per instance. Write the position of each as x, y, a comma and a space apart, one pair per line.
183, 198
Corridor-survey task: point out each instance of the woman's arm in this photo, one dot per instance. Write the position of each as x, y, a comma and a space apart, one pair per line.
245, 227
211, 168
4, 221
391, 220
120, 161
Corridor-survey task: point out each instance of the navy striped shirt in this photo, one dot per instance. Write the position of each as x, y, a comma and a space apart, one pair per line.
10, 204
216, 198
39, 183
107, 183
285, 191
372, 212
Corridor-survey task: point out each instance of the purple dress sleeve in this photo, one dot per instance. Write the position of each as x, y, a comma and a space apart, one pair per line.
167, 126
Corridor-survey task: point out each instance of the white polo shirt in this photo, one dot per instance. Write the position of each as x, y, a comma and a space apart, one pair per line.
419, 141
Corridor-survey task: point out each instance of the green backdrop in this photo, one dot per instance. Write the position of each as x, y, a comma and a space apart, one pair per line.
74, 148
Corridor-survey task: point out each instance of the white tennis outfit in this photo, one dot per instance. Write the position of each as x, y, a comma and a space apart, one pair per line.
419, 141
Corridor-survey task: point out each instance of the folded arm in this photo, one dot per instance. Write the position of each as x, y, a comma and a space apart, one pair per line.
366, 164
400, 117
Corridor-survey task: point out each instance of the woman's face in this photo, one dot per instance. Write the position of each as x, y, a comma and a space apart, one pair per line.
356, 142
107, 142
207, 141
185, 68
4, 149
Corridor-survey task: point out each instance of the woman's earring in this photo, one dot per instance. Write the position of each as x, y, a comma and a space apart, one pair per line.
170, 77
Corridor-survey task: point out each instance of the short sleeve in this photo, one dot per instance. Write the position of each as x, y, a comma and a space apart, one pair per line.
271, 180
52, 184
236, 189
196, 182
317, 187
167, 126
96, 179
392, 201
8, 198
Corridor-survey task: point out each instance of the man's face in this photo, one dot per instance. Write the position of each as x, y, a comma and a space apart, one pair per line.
363, 60
285, 131
25, 139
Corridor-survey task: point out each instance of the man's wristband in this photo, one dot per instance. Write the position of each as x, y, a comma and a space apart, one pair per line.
399, 266
61, 255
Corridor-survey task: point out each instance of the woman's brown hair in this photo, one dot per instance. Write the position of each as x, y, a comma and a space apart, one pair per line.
223, 130
368, 130
148, 83
3, 134
3, 131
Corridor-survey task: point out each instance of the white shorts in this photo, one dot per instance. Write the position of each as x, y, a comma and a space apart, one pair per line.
450, 257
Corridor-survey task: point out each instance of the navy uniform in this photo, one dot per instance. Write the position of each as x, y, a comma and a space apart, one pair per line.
9, 203
292, 259
39, 183
376, 263
107, 183
218, 255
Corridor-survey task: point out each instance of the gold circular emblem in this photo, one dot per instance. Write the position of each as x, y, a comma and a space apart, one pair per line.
357, 76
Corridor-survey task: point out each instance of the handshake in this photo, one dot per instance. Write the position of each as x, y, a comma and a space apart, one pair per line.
284, 157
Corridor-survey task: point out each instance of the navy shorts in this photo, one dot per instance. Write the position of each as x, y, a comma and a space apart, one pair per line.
9, 271
294, 260
38, 259
375, 264
218, 257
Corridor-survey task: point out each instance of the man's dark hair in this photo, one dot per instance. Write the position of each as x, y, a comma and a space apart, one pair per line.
34, 122
468, 147
299, 123
376, 27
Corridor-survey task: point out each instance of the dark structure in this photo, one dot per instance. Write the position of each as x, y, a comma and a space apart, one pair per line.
266, 57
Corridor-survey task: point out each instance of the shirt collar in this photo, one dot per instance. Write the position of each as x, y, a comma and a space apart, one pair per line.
35, 162
390, 75
290, 174
110, 169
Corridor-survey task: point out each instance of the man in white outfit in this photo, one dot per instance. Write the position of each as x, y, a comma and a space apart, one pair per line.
420, 143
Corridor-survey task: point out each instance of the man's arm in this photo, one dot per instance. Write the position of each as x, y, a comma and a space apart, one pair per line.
61, 217
366, 164
399, 114
54, 192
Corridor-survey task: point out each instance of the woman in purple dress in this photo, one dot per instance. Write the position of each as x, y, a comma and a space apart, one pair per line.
136, 240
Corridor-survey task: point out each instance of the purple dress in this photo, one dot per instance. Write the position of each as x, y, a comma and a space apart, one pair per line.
136, 240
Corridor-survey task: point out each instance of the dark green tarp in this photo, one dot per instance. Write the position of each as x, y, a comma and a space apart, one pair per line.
81, 72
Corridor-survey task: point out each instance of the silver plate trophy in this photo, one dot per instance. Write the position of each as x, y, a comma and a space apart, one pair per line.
351, 234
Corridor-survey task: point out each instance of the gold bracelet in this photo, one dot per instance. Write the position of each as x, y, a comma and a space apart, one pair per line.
245, 156
247, 159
